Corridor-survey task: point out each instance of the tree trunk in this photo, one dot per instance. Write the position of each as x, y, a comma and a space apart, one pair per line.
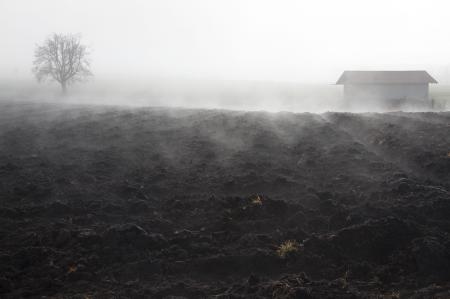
64, 88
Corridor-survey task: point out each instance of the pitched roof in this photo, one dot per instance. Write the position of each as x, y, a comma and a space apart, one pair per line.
385, 77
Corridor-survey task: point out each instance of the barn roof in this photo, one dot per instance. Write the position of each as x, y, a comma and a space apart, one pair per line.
385, 77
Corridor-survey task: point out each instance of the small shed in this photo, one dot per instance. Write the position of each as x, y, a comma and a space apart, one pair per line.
390, 89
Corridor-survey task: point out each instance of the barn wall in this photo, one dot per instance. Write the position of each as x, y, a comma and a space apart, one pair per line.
387, 91
386, 96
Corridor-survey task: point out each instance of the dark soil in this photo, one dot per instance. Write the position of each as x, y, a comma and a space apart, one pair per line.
172, 203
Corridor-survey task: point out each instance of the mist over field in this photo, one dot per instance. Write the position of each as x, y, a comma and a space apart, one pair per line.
209, 94
224, 149
244, 55
235, 55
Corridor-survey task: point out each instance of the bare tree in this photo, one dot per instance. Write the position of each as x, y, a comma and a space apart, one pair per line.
61, 58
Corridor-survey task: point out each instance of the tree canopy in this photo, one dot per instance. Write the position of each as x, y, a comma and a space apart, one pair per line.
62, 58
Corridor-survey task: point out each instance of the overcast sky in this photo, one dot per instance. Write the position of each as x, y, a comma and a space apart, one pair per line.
305, 41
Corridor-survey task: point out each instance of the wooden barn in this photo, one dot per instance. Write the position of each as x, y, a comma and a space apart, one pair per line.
388, 89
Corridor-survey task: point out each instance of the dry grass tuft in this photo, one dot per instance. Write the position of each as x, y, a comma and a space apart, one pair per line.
257, 200
392, 295
288, 247
72, 269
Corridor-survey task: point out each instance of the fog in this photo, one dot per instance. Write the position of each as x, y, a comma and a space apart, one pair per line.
203, 149
246, 54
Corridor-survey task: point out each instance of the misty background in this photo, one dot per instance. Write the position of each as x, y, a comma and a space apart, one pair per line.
247, 54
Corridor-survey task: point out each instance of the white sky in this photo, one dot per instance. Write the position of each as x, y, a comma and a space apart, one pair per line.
305, 41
